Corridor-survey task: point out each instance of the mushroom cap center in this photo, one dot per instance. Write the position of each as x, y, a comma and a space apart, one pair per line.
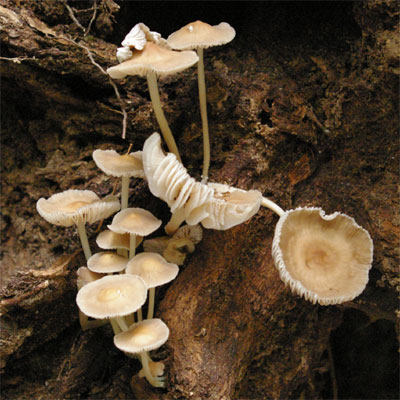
73, 206
109, 294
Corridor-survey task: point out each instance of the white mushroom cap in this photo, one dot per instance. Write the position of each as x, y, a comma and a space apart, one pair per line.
146, 335
123, 54
215, 206
324, 258
112, 296
106, 262
114, 164
135, 221
154, 58
74, 206
110, 240
136, 38
201, 35
152, 268
84, 276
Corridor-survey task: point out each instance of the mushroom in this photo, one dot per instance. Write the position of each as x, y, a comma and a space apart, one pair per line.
324, 258
112, 297
141, 338
123, 166
77, 207
200, 35
215, 206
155, 59
135, 221
155, 271
106, 262
109, 240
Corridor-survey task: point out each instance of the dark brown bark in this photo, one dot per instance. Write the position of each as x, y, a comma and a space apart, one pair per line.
306, 118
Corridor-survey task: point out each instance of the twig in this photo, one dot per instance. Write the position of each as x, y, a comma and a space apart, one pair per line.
72, 15
17, 60
92, 19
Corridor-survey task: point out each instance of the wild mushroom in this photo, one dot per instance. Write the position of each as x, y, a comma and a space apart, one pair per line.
112, 297
135, 221
107, 262
215, 206
141, 338
123, 166
155, 271
109, 240
154, 59
77, 207
200, 35
324, 258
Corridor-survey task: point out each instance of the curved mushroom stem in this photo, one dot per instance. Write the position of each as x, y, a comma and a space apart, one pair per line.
144, 359
175, 222
124, 192
162, 122
132, 245
150, 310
84, 239
272, 206
203, 111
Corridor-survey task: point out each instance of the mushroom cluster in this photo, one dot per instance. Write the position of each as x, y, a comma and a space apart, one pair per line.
324, 258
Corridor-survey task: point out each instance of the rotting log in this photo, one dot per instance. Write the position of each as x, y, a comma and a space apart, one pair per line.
305, 124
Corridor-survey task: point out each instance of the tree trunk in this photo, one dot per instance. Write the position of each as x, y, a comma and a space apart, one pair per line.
300, 107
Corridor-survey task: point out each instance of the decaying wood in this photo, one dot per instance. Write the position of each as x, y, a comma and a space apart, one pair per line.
305, 124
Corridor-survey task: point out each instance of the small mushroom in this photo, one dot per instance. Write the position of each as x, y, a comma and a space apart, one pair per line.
123, 166
77, 207
112, 297
324, 258
155, 59
135, 221
200, 35
109, 240
107, 262
155, 271
141, 338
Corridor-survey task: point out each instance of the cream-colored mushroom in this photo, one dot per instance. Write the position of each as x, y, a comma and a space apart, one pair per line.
123, 166
324, 258
141, 338
107, 262
135, 221
155, 59
200, 35
109, 240
154, 270
77, 207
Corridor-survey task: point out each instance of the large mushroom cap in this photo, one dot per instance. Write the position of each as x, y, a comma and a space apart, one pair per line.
106, 262
143, 336
112, 296
135, 221
325, 258
153, 268
109, 240
74, 206
201, 35
154, 58
114, 164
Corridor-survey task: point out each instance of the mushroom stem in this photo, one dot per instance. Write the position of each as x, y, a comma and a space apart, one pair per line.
162, 122
121, 323
272, 206
115, 326
203, 111
144, 359
124, 192
150, 310
175, 222
139, 315
132, 245
84, 239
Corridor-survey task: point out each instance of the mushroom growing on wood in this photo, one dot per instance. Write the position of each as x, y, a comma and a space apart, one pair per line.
214, 206
324, 258
123, 166
154, 59
107, 262
200, 35
77, 207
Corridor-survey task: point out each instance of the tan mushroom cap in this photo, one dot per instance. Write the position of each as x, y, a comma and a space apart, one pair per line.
146, 335
109, 240
135, 221
73, 206
201, 35
192, 232
85, 276
152, 268
112, 296
106, 262
324, 258
154, 58
114, 164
